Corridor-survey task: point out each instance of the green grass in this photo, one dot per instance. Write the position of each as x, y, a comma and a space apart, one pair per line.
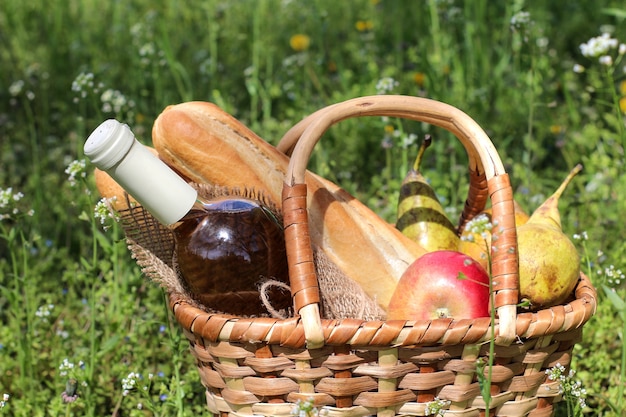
68, 288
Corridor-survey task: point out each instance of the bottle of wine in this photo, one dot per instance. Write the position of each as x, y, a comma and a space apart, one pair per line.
224, 245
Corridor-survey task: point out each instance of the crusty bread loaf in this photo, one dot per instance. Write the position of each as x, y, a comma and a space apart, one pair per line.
207, 145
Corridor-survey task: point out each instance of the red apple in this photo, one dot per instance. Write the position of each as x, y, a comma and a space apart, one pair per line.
441, 284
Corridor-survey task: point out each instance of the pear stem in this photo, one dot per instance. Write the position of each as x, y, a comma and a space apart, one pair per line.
420, 153
565, 183
548, 211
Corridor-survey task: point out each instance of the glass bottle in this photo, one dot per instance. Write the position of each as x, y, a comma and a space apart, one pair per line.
224, 247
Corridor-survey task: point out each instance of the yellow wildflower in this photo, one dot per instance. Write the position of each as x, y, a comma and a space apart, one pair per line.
389, 129
622, 104
419, 78
299, 42
622, 87
556, 129
364, 25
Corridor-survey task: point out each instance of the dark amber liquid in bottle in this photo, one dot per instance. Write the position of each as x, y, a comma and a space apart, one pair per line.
229, 246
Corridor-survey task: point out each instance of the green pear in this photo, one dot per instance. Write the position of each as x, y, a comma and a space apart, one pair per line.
420, 214
549, 264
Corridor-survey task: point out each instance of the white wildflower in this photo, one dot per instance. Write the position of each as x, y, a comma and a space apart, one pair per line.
83, 84
614, 275
409, 140
103, 211
130, 382
147, 49
519, 19
606, 60
43, 312
572, 390
5, 196
437, 407
386, 85
66, 367
114, 101
16, 88
305, 409
480, 225
76, 169
598, 46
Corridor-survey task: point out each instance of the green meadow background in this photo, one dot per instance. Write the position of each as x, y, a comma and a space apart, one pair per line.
83, 333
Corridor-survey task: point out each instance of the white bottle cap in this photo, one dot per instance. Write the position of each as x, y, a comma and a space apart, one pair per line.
112, 147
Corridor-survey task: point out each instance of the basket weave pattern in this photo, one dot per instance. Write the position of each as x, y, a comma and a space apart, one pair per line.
366, 368
350, 367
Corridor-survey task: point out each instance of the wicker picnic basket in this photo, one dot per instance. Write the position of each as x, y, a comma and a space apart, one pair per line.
352, 368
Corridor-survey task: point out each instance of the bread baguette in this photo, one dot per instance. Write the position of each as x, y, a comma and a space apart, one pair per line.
207, 145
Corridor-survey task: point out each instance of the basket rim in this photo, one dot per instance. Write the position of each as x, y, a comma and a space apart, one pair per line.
217, 327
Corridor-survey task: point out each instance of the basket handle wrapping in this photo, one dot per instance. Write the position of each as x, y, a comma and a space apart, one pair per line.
484, 163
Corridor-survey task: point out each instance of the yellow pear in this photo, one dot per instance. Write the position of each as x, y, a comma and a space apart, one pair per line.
521, 216
549, 264
420, 214
476, 245
476, 250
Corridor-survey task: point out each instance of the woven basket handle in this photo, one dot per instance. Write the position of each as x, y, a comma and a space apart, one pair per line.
478, 192
483, 161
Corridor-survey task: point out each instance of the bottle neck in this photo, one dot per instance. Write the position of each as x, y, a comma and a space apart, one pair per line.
198, 209
199, 204
113, 148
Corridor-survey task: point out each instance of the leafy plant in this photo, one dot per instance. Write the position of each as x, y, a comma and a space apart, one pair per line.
68, 288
